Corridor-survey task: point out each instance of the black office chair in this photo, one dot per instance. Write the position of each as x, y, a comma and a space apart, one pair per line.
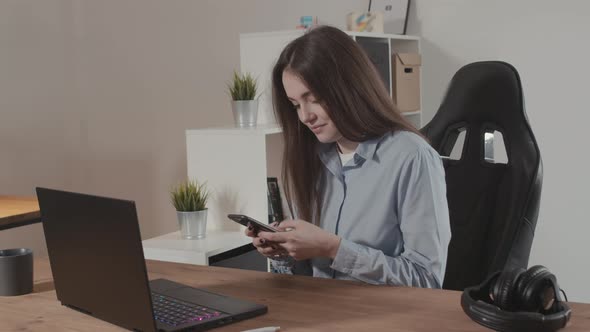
493, 206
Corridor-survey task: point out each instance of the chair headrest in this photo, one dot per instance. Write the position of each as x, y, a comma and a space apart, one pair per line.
491, 88
483, 96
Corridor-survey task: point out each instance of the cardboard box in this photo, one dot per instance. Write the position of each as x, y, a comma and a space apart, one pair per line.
405, 76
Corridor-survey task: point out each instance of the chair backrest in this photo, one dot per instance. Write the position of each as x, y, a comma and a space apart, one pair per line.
493, 207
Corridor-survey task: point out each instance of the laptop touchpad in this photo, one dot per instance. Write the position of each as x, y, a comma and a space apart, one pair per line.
213, 301
196, 296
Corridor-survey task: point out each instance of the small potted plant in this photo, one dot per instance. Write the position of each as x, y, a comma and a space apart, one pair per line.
190, 200
242, 90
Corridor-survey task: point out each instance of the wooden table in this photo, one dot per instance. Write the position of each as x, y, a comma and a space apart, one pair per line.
18, 211
295, 303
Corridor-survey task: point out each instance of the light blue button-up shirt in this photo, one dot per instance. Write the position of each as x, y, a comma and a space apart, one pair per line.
389, 206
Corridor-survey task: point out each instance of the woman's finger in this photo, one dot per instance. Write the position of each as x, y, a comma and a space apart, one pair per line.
250, 231
259, 243
270, 252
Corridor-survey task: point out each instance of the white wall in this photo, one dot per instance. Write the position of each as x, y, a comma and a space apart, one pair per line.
546, 41
39, 128
95, 96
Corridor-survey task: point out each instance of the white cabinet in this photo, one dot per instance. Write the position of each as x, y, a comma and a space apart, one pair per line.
235, 163
173, 248
259, 52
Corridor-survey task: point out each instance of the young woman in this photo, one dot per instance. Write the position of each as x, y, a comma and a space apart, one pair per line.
367, 191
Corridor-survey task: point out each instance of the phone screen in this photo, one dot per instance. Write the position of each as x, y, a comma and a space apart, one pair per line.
245, 220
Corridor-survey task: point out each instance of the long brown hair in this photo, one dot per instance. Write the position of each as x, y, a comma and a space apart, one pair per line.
342, 78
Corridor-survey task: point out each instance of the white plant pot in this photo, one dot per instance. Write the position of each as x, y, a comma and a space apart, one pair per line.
192, 224
245, 112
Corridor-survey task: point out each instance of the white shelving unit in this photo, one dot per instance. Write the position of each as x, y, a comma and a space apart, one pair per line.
259, 52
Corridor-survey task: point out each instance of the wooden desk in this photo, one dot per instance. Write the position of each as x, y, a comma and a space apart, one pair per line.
295, 303
18, 211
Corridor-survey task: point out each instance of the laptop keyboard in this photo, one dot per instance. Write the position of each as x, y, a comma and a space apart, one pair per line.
175, 312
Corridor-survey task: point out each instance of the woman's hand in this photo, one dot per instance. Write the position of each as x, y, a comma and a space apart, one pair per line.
302, 240
266, 248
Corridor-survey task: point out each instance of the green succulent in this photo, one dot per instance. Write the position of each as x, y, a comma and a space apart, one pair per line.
189, 196
242, 87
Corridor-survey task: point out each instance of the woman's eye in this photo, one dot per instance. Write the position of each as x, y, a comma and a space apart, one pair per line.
296, 106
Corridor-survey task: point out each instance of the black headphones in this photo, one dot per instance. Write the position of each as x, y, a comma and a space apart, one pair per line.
517, 300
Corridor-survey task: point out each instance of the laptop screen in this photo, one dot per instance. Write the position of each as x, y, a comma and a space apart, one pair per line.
96, 257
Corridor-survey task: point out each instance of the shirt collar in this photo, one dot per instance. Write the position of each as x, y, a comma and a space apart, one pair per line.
329, 156
365, 150
368, 148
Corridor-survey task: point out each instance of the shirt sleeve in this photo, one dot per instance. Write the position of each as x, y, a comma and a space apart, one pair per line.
424, 223
288, 265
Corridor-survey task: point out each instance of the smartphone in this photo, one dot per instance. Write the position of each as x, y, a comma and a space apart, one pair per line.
257, 225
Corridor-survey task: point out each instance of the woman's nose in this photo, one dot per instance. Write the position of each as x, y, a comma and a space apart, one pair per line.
305, 115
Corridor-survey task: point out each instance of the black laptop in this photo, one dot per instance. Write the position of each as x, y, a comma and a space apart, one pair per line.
98, 268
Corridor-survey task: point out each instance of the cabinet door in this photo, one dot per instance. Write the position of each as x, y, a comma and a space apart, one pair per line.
246, 258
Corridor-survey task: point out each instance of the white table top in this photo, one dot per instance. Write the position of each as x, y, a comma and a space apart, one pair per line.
172, 248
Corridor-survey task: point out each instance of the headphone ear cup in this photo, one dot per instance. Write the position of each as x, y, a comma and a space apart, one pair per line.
531, 287
503, 289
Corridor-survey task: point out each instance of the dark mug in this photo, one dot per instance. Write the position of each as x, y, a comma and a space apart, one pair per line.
16, 271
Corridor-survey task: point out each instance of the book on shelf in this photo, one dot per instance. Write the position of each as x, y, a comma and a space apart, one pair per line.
275, 207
